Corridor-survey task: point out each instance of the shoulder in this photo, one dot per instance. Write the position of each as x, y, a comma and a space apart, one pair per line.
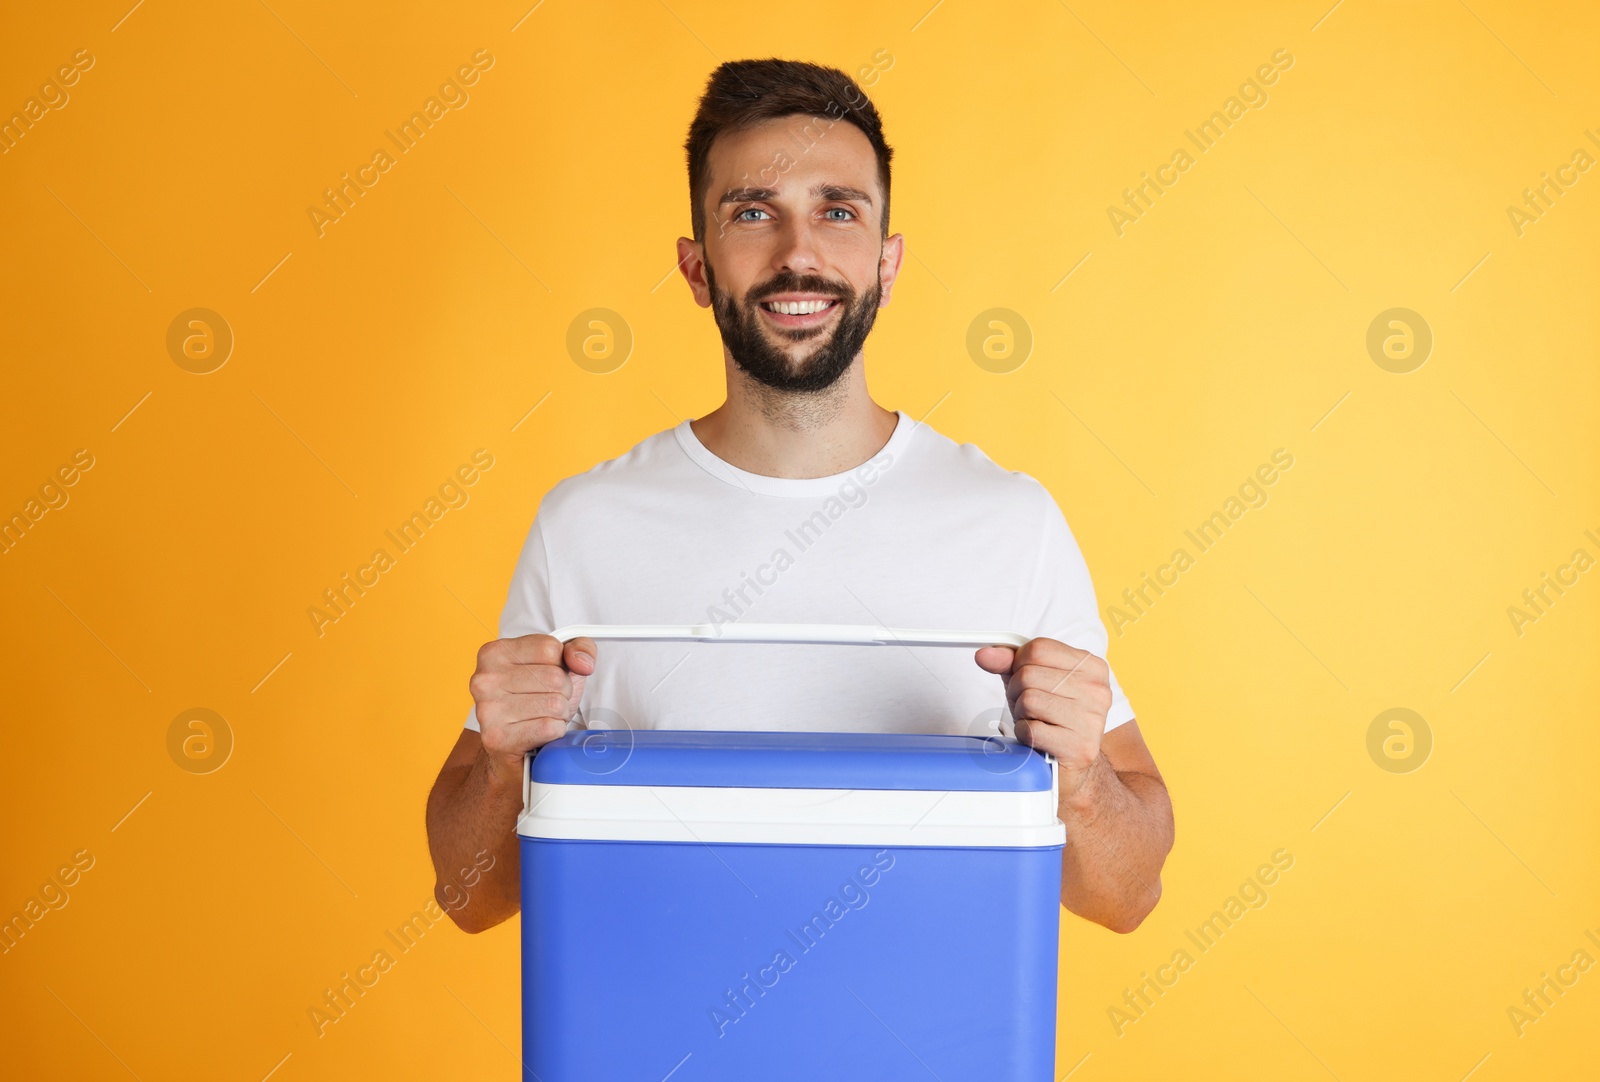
964, 473
644, 468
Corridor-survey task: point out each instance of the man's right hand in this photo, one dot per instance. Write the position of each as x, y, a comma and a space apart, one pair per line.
526, 690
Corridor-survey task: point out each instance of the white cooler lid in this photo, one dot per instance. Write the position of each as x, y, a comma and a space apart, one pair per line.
868, 789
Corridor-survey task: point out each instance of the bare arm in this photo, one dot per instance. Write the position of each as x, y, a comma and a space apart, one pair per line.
1119, 832
525, 691
472, 827
1113, 800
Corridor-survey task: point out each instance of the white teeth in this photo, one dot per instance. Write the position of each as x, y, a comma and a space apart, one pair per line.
797, 308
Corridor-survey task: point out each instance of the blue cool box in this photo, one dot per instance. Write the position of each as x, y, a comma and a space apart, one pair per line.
773, 906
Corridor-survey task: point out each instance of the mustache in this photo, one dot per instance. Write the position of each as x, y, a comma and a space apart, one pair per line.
799, 284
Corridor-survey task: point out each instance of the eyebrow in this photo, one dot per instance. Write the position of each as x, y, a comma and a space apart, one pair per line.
841, 192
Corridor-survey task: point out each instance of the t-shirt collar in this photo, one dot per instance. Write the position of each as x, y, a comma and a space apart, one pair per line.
791, 487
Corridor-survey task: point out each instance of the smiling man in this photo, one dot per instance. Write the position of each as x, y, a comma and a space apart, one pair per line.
801, 500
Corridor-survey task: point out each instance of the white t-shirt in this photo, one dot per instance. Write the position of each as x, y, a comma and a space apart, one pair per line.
928, 533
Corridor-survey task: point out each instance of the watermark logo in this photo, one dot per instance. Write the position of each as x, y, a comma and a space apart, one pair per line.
53, 895
452, 495
1253, 893
993, 750
199, 740
813, 131
52, 496
456, 892
1137, 601
341, 998
1542, 996
340, 198
851, 494
1537, 600
1140, 198
52, 97
853, 895
606, 745
599, 340
1399, 740
1399, 340
999, 340
199, 341
1539, 199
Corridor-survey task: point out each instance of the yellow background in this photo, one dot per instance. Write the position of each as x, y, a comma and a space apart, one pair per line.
371, 361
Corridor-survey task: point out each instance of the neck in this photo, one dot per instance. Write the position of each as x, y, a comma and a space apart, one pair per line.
784, 434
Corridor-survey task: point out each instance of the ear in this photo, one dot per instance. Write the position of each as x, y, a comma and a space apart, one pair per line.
691, 261
894, 250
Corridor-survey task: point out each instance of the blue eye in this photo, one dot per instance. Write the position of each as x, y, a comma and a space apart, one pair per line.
842, 210
748, 210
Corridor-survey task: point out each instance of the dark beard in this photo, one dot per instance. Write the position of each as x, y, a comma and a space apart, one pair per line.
764, 362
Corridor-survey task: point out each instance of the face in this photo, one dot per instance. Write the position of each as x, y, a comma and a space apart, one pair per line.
794, 265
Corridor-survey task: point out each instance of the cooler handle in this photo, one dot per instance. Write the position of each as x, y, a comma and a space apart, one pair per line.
824, 634
843, 634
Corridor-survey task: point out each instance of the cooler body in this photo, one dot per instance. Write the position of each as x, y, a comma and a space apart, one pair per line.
789, 906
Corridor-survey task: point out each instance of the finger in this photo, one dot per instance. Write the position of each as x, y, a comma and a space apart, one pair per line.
522, 650
1036, 704
995, 659
510, 708
519, 737
1053, 652
494, 682
1062, 706
528, 679
1057, 702
1025, 732
1088, 671
1042, 735
579, 655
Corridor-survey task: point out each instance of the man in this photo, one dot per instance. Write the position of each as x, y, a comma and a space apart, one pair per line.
801, 500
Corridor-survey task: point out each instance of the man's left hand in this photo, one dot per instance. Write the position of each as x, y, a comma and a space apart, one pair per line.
1059, 696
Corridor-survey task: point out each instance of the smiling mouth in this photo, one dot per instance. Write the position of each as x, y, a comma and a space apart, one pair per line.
799, 313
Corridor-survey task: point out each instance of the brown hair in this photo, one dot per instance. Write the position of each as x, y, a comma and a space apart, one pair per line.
743, 93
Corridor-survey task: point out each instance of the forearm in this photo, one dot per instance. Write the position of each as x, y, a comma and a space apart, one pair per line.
471, 822
1119, 831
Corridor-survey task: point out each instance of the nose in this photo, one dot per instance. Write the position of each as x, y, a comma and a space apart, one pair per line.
797, 248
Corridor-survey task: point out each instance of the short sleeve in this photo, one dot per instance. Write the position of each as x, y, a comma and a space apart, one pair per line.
1062, 604
527, 607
